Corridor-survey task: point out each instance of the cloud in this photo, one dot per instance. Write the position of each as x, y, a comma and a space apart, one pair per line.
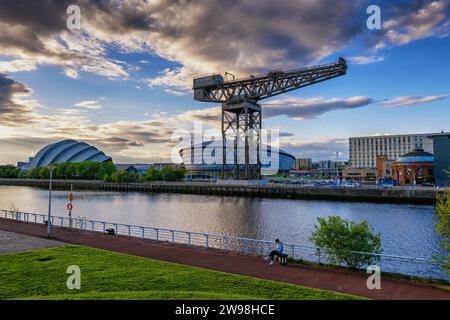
17, 65
365, 59
415, 20
89, 104
177, 93
202, 37
300, 108
14, 109
407, 101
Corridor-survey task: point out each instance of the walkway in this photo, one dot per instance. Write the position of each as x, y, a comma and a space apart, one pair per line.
14, 242
308, 276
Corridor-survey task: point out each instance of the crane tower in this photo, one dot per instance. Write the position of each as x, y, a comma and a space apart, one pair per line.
241, 113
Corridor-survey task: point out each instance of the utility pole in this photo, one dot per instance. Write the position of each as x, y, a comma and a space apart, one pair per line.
49, 218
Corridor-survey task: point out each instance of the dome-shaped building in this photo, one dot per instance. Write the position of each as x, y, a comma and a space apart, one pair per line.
416, 167
67, 151
207, 157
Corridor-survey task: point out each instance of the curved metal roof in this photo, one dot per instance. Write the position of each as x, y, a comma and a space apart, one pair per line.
67, 151
417, 156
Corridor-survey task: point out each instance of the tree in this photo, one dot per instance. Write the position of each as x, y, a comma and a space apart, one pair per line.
443, 228
9, 171
105, 171
124, 176
339, 239
153, 175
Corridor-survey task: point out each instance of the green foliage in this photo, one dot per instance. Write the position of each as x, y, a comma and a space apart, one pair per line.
41, 274
443, 228
10, 172
166, 174
87, 170
124, 176
153, 175
339, 237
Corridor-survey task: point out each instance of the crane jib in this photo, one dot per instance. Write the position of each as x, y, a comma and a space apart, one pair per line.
214, 89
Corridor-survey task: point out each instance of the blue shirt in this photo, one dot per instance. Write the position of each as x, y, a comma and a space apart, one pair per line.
280, 247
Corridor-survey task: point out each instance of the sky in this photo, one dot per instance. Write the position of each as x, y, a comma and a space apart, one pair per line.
123, 81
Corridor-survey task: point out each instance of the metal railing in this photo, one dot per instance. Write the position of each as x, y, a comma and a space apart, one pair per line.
411, 266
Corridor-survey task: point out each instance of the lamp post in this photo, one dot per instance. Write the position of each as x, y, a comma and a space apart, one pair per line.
49, 223
337, 166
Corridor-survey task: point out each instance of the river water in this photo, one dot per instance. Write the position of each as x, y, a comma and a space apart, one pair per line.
406, 230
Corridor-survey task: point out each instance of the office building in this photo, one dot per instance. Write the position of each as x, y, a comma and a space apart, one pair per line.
303, 163
364, 151
441, 147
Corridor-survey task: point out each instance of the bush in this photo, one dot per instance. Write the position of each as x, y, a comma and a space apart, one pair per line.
338, 238
443, 228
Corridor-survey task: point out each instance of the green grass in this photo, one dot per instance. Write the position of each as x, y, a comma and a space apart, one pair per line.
41, 274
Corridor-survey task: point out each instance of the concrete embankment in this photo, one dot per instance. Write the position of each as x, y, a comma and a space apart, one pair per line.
370, 194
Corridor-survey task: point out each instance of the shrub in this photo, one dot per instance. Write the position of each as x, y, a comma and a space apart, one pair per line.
339, 237
443, 228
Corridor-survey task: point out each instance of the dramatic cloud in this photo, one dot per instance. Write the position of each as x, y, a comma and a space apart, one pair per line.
300, 109
406, 101
14, 109
201, 36
416, 20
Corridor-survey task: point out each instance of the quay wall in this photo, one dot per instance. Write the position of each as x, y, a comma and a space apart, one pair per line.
365, 193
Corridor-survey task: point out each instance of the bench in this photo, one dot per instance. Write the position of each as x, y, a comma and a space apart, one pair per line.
282, 258
110, 231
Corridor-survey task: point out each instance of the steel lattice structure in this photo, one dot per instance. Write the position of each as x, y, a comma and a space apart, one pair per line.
241, 114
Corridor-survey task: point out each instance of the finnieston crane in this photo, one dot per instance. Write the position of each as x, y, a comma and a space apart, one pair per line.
241, 113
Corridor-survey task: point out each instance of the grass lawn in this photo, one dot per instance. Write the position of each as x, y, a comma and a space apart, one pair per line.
41, 274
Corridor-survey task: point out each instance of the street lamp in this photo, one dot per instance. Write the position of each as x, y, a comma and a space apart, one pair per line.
337, 166
49, 223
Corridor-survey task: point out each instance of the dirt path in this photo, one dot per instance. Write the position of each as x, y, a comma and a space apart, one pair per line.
308, 276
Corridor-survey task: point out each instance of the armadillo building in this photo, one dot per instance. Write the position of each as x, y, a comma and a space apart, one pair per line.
67, 151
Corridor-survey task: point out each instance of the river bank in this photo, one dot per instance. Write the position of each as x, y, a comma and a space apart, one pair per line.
362, 194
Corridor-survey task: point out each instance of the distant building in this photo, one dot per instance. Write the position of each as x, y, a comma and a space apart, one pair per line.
365, 150
359, 174
67, 151
413, 168
441, 147
208, 149
134, 168
383, 167
303, 163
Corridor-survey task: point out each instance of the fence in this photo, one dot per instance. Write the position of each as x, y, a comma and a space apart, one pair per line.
411, 266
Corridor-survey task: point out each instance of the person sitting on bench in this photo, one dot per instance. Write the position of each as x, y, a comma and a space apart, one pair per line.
278, 250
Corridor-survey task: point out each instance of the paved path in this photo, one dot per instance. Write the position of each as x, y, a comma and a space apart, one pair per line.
14, 242
335, 280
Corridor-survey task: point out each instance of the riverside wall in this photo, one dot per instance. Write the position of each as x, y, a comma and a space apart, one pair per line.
365, 193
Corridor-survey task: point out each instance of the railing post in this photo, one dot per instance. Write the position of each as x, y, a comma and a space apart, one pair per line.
117, 229
129, 231
189, 237
173, 236
104, 227
143, 232
207, 241
157, 234
226, 244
